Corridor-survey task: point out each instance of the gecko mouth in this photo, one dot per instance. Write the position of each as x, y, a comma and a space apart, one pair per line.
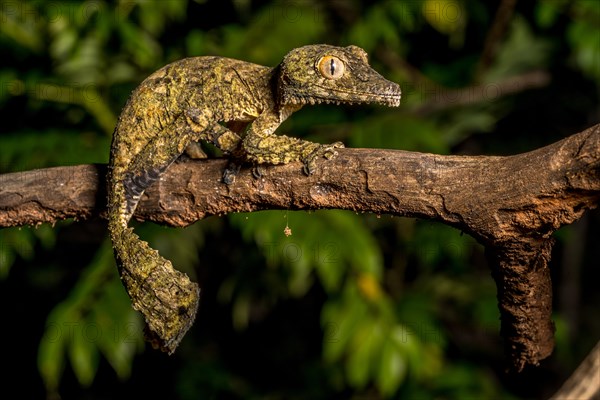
343, 97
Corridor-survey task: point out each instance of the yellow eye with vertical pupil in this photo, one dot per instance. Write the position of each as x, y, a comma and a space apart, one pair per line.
331, 67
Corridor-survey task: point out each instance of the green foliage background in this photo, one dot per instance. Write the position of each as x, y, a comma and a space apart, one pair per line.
349, 306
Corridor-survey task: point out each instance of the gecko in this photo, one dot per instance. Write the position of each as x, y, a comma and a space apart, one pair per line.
237, 106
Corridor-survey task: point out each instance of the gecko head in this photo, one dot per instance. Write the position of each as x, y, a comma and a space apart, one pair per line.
328, 74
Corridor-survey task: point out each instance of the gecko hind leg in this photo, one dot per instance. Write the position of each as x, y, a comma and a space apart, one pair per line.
136, 184
180, 136
229, 142
194, 151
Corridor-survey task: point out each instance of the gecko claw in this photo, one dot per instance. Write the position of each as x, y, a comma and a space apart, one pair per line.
258, 171
231, 172
327, 151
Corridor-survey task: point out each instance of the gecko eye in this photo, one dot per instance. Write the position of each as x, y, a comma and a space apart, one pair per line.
331, 67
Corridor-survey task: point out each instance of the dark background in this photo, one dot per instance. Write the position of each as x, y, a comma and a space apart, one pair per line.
349, 306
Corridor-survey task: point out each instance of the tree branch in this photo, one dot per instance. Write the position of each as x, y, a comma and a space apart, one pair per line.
584, 383
511, 205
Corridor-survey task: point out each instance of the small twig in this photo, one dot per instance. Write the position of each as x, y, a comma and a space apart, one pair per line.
438, 97
584, 383
494, 37
394, 62
446, 98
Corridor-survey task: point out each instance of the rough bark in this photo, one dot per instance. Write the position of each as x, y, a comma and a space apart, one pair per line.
512, 205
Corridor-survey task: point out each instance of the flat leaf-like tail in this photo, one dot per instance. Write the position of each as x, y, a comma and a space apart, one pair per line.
167, 298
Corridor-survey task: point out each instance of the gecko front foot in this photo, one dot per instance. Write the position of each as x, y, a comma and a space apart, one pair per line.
233, 168
327, 151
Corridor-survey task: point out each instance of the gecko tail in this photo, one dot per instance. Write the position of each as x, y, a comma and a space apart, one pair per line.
167, 298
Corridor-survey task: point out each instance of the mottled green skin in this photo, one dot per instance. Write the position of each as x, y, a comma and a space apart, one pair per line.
192, 100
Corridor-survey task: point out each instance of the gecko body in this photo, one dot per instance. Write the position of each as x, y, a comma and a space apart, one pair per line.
237, 106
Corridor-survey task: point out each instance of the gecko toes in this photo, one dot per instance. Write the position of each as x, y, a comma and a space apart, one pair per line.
327, 151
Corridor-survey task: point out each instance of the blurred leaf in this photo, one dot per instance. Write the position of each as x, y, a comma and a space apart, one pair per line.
365, 337
437, 244
377, 27
84, 66
417, 313
466, 121
397, 131
143, 48
341, 319
462, 381
21, 242
51, 354
485, 311
521, 52
547, 12
84, 358
21, 23
364, 351
446, 16
288, 25
392, 369
11, 85
80, 326
121, 327
29, 150
369, 287
326, 244
63, 43
584, 35
195, 43
180, 245
332, 242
